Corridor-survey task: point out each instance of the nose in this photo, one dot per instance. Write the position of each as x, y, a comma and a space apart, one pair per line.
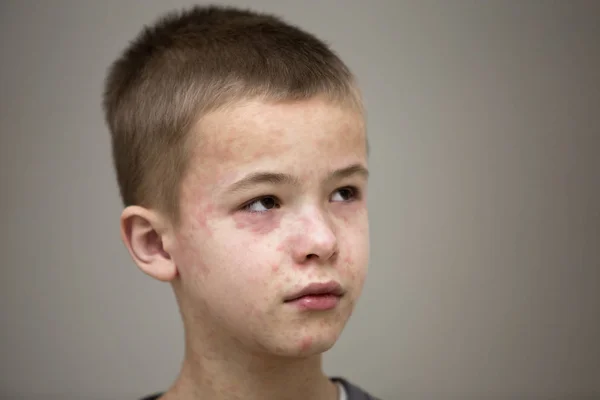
315, 238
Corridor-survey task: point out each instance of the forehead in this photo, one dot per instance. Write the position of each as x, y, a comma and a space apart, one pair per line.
294, 133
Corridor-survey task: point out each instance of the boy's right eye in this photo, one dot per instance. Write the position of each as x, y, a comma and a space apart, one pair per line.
262, 204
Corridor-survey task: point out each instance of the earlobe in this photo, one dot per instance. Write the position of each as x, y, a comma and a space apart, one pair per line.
142, 233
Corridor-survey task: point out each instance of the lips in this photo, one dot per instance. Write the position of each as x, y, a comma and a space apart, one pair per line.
330, 288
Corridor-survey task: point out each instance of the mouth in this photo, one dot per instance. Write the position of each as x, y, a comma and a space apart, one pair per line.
328, 290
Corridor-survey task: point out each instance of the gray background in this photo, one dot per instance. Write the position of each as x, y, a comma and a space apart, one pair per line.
485, 202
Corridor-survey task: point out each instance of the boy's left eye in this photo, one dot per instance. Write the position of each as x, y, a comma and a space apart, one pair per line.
262, 204
344, 194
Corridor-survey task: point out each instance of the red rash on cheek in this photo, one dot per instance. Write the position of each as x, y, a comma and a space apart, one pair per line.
260, 224
204, 214
209, 208
198, 206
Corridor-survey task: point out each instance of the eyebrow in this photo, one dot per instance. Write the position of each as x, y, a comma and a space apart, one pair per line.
275, 178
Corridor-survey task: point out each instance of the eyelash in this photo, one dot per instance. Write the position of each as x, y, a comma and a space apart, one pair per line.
355, 195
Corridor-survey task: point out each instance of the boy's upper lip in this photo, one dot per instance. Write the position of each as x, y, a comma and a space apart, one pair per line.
330, 287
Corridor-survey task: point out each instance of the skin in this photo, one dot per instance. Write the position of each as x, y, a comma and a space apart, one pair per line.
241, 249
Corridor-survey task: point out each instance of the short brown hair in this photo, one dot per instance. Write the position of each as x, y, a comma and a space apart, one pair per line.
191, 62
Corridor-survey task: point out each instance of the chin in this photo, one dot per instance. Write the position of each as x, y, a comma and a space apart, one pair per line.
316, 347
302, 350
307, 342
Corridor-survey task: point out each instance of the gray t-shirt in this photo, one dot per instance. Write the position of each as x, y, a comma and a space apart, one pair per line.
352, 392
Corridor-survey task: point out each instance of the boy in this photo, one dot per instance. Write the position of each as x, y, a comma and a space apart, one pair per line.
241, 155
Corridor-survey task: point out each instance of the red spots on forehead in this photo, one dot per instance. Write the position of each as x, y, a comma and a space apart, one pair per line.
229, 140
275, 268
226, 178
221, 147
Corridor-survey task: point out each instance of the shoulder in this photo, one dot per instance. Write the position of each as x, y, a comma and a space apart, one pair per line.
354, 392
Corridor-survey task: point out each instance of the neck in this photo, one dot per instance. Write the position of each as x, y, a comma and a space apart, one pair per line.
233, 375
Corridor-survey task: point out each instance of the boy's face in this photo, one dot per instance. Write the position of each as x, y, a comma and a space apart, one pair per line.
275, 200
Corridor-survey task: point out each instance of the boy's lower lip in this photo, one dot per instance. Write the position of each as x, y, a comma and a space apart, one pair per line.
316, 302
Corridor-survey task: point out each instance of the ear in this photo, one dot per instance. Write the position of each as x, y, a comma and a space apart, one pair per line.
144, 232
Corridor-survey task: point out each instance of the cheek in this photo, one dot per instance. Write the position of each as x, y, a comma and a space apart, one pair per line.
353, 230
352, 215
354, 263
259, 224
350, 268
186, 256
191, 257
246, 259
200, 217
